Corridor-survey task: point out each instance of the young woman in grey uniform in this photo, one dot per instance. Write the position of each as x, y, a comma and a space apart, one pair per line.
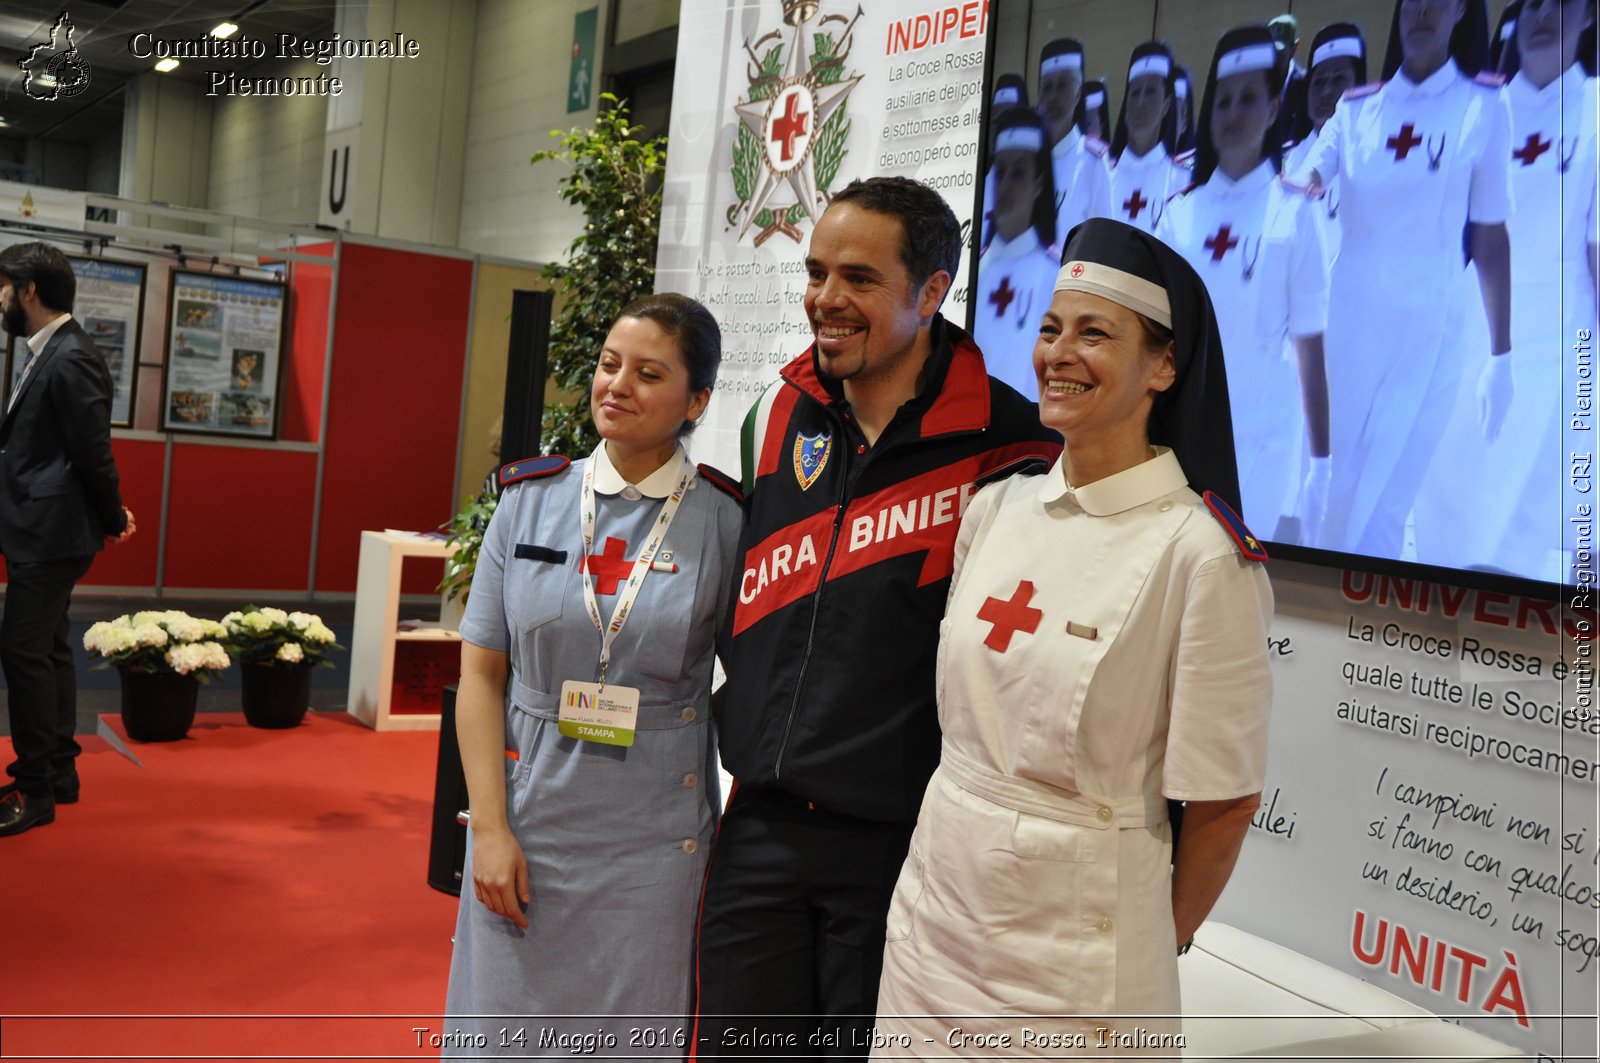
599, 587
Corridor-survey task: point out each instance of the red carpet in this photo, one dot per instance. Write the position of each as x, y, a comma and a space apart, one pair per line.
242, 893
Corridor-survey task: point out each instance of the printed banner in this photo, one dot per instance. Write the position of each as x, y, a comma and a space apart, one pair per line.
222, 357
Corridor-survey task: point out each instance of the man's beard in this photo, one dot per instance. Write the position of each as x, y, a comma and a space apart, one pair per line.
15, 321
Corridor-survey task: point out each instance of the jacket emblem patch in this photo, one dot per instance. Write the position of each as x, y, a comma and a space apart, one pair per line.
811, 457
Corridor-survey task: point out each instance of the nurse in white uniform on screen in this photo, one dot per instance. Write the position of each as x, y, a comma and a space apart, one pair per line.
1338, 64
1083, 178
1257, 246
1018, 268
1422, 163
1143, 175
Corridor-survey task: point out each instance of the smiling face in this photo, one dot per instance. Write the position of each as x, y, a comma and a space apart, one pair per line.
640, 395
1242, 112
1097, 378
1328, 81
865, 310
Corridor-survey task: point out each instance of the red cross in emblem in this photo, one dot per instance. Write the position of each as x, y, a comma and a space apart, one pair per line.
1077, 270
790, 126
1221, 242
1529, 153
1009, 617
1134, 204
609, 568
1001, 297
1402, 142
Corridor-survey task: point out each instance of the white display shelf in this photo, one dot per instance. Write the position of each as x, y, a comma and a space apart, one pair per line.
397, 669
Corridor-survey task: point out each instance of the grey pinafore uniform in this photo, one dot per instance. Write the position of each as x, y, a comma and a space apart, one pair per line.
616, 838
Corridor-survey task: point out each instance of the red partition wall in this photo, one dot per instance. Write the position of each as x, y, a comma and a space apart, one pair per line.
306, 343
239, 517
133, 563
399, 353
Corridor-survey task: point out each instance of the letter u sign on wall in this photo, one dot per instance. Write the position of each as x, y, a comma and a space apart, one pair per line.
336, 206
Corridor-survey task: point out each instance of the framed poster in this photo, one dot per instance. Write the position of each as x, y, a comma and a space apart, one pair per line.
224, 350
110, 307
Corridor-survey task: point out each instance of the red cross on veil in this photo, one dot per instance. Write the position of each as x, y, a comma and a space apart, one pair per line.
1009, 617
608, 567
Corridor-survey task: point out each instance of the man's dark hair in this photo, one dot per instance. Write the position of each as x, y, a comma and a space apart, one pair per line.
932, 238
46, 268
692, 327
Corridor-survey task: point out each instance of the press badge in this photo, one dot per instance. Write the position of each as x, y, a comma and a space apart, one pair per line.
593, 714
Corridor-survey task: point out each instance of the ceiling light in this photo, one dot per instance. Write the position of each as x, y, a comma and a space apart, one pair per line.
224, 29
167, 64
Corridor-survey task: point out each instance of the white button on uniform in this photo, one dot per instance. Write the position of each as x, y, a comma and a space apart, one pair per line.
689, 846
688, 713
631, 493
1103, 813
1165, 505
690, 781
1104, 925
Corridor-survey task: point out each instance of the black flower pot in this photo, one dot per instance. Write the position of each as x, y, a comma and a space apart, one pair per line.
158, 706
276, 695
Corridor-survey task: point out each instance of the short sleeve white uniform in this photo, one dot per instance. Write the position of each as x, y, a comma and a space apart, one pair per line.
1083, 181
1015, 282
1326, 209
1142, 184
1415, 163
1038, 879
1257, 246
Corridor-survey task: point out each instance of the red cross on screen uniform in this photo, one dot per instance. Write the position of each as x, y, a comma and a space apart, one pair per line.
790, 126
608, 567
1221, 242
1402, 142
1009, 617
1134, 204
1529, 153
1001, 297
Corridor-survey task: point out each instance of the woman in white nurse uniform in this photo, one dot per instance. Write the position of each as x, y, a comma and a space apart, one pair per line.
1338, 64
1018, 267
1257, 245
1104, 650
1143, 175
1419, 158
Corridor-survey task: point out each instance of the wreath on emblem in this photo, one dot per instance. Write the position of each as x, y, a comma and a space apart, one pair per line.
797, 103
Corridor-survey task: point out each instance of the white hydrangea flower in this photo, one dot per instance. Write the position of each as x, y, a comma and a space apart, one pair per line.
149, 635
276, 616
304, 620
184, 627
256, 623
291, 653
318, 632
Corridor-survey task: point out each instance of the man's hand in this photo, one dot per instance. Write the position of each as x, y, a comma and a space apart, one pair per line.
128, 530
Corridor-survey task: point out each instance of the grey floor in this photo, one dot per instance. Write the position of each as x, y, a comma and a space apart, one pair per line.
99, 690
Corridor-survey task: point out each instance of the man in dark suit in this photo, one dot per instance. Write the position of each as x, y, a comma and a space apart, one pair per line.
59, 503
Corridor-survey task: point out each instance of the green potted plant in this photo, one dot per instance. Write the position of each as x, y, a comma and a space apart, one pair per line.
162, 657
276, 651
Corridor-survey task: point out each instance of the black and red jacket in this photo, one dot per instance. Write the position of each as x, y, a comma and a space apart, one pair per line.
846, 558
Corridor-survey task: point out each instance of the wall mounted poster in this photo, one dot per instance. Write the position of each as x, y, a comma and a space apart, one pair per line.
110, 307
224, 346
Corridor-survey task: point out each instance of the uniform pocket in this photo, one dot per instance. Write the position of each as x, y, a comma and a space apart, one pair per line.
907, 894
536, 588
1040, 838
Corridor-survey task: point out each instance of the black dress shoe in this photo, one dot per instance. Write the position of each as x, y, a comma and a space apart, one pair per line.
20, 812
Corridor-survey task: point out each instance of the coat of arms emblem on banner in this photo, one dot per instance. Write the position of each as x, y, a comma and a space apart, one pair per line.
793, 122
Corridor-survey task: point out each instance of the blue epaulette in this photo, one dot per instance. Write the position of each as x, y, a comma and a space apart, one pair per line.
1032, 465
722, 481
1248, 544
532, 468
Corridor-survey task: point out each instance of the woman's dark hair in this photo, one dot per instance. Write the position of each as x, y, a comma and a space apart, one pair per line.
1469, 41
1156, 335
692, 328
1182, 142
46, 268
1102, 110
1205, 153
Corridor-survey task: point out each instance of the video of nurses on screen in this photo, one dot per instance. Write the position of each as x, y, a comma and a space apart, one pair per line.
1395, 216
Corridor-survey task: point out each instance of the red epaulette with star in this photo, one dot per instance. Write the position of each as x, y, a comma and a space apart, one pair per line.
1096, 146
1490, 79
1185, 159
722, 482
1356, 92
532, 468
1248, 544
1301, 189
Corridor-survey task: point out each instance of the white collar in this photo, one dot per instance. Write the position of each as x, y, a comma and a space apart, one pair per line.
1568, 86
1119, 492
659, 484
1067, 144
37, 341
1149, 158
1432, 85
1002, 250
1250, 183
